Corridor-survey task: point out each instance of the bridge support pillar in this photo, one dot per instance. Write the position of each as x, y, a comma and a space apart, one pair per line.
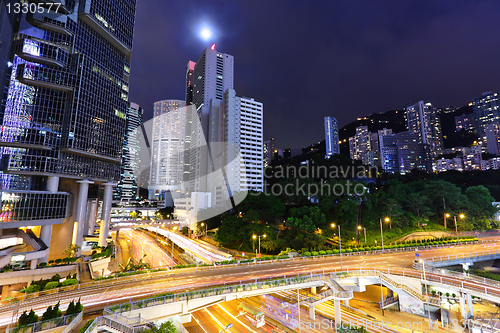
106, 213
470, 308
346, 302
338, 318
81, 209
463, 307
313, 290
312, 314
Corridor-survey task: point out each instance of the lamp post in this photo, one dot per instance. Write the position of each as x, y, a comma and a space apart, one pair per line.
456, 228
340, 245
386, 219
445, 217
359, 229
426, 294
203, 224
255, 236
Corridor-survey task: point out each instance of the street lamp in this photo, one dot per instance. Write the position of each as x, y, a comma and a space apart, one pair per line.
359, 229
255, 236
340, 245
203, 224
386, 219
445, 217
426, 294
462, 216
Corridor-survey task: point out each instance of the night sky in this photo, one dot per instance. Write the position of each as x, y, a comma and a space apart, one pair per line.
309, 59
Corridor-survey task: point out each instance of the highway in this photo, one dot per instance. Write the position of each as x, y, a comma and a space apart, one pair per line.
203, 254
140, 244
96, 297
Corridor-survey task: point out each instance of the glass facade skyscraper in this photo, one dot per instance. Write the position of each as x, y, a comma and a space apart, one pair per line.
127, 189
331, 136
486, 110
63, 125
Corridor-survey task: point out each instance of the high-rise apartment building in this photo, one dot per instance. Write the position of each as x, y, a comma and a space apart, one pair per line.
331, 136
492, 137
64, 120
360, 143
464, 122
167, 147
268, 152
486, 110
236, 132
127, 189
189, 82
422, 120
403, 152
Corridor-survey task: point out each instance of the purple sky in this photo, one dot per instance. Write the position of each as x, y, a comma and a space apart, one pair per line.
309, 59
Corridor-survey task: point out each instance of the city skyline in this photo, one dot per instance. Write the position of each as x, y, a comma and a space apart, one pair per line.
396, 54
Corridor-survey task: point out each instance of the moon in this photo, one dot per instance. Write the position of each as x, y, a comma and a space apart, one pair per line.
205, 34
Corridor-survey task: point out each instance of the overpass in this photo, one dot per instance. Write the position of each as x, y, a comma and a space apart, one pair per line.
461, 259
341, 286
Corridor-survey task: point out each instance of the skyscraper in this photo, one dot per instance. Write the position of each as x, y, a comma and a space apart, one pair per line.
127, 189
168, 140
486, 110
331, 136
64, 120
422, 120
189, 82
212, 76
268, 152
360, 143
402, 152
238, 123
492, 136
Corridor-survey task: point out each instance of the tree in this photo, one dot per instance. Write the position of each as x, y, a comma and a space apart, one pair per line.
306, 218
72, 250
166, 327
479, 202
418, 205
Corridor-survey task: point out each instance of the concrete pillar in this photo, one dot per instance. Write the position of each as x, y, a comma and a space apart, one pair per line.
46, 230
81, 208
46, 236
470, 308
312, 314
53, 183
346, 302
34, 263
338, 318
106, 213
463, 308
91, 216
313, 290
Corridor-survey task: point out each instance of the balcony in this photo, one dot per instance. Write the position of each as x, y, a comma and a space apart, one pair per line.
30, 138
21, 208
46, 77
40, 52
43, 22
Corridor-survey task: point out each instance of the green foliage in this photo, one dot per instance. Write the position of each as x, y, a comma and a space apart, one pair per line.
306, 218
51, 285
87, 325
74, 308
72, 250
166, 327
52, 312
27, 318
69, 282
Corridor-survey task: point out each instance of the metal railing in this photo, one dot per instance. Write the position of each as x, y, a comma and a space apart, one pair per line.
166, 271
46, 324
186, 296
119, 325
463, 256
